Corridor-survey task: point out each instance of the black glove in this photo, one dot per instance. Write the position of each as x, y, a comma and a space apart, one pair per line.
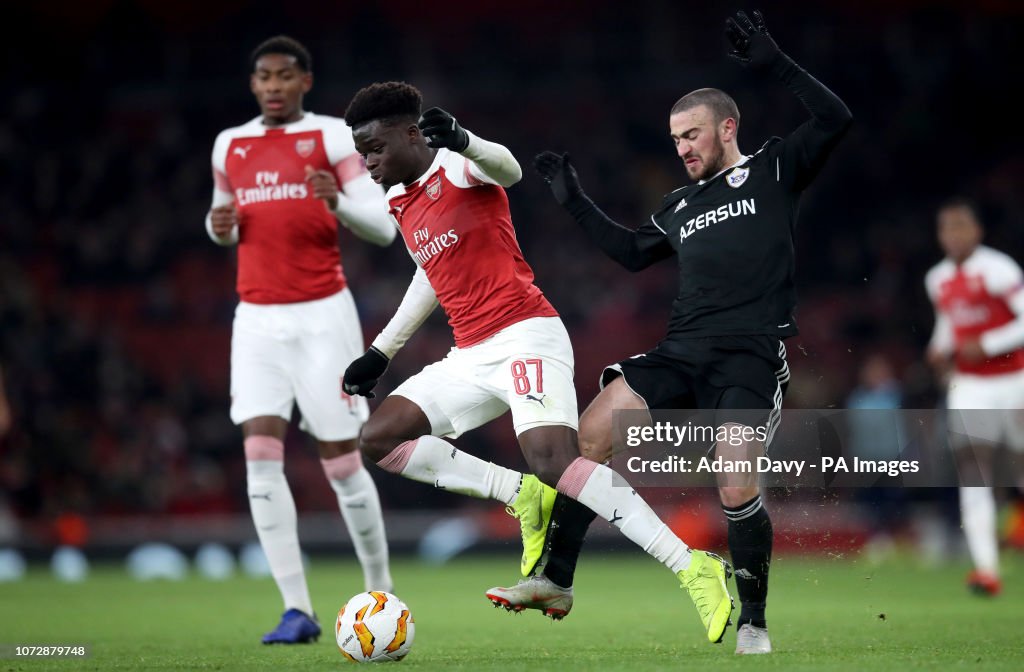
442, 130
560, 175
362, 374
751, 44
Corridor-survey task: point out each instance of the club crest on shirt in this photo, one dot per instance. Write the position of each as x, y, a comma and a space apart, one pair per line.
737, 177
433, 188
305, 147
681, 205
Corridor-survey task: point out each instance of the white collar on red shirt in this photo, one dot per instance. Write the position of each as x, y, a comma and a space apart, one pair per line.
399, 189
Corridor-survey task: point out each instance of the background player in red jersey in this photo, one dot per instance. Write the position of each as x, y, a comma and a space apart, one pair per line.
277, 196
979, 331
511, 350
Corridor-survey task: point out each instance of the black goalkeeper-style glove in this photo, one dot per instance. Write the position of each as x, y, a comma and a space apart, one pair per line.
751, 44
362, 374
442, 130
558, 171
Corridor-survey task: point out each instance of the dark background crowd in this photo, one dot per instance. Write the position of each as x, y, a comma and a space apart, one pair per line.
116, 308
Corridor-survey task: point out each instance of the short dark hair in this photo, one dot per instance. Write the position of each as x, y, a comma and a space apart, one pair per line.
960, 201
720, 103
386, 102
282, 44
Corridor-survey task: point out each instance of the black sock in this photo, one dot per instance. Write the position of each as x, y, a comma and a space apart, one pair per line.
569, 523
750, 544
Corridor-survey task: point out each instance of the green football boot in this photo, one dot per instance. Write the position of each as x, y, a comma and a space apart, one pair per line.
533, 510
704, 580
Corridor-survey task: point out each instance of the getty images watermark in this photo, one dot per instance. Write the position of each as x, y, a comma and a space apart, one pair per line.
820, 448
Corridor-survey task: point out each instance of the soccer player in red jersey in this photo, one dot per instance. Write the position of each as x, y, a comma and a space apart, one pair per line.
284, 181
979, 331
446, 193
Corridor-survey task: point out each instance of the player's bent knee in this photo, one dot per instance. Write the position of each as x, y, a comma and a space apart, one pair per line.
259, 448
549, 451
376, 440
549, 468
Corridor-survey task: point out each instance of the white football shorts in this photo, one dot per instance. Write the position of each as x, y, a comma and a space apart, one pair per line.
992, 408
526, 367
298, 352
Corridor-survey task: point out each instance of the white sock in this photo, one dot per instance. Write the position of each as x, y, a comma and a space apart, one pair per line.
591, 484
360, 507
273, 512
429, 459
978, 515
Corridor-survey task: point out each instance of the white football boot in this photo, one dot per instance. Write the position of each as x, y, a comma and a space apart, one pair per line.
751, 639
536, 592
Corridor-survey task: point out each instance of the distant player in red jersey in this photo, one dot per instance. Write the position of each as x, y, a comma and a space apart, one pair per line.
283, 183
979, 330
446, 193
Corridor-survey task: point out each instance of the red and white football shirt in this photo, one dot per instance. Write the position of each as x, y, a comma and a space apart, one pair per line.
457, 226
974, 299
288, 240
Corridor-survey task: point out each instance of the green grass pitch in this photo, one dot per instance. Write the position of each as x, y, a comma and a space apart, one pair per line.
828, 613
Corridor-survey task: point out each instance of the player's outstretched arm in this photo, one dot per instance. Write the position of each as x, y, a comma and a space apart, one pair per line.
625, 246
347, 190
419, 301
806, 148
494, 161
362, 208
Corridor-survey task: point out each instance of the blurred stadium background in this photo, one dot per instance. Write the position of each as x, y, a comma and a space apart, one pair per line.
115, 308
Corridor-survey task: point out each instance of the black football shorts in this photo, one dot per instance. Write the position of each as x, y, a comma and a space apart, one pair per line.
716, 373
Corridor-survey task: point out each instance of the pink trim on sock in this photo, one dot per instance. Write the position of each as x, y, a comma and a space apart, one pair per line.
575, 477
396, 460
341, 467
261, 447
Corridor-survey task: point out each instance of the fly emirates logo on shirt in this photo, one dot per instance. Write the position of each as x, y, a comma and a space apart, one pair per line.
270, 188
965, 314
428, 247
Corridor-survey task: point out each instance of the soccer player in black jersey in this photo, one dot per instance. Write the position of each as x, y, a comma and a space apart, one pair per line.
732, 234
